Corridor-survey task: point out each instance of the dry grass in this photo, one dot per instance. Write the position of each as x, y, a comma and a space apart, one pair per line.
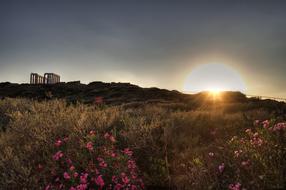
171, 142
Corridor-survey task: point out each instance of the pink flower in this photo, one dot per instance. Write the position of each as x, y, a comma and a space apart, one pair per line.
211, 154
58, 143
127, 151
236, 186
118, 186
58, 155
114, 179
221, 167
133, 187
131, 164
89, 146
125, 180
75, 175
256, 122
48, 187
113, 155
99, 181
83, 178
69, 161
266, 123
103, 164
106, 135
72, 188
81, 187
279, 126
72, 168
67, 176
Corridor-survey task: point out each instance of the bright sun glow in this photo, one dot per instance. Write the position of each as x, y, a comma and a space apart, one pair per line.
214, 78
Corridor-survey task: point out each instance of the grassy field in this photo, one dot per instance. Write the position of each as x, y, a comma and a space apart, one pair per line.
52, 144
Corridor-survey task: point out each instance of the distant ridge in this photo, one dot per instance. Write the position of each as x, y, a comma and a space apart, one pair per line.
115, 93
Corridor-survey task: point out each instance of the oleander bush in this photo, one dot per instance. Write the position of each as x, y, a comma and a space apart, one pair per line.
56, 145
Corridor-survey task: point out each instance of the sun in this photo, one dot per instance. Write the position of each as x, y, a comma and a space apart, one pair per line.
214, 78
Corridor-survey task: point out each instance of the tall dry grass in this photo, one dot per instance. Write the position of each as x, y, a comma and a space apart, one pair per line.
171, 142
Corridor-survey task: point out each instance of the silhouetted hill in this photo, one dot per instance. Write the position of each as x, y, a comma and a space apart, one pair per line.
119, 93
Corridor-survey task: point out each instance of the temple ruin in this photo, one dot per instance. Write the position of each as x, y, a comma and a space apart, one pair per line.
48, 78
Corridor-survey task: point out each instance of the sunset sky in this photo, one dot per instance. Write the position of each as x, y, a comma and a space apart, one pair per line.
148, 43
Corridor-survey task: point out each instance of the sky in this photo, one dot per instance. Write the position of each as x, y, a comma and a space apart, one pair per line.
148, 43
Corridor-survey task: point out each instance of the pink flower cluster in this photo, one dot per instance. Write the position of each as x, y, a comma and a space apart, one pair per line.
112, 168
279, 127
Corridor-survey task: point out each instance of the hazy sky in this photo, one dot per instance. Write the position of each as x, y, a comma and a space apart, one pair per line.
149, 43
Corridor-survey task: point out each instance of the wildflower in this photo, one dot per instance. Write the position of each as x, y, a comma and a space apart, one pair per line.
48, 187
89, 146
266, 123
67, 176
75, 175
72, 168
256, 122
102, 162
83, 178
127, 151
133, 187
125, 180
58, 143
221, 167
72, 188
114, 179
81, 187
113, 155
69, 161
131, 164
106, 135
99, 181
236, 186
279, 126
58, 155
118, 186
211, 154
